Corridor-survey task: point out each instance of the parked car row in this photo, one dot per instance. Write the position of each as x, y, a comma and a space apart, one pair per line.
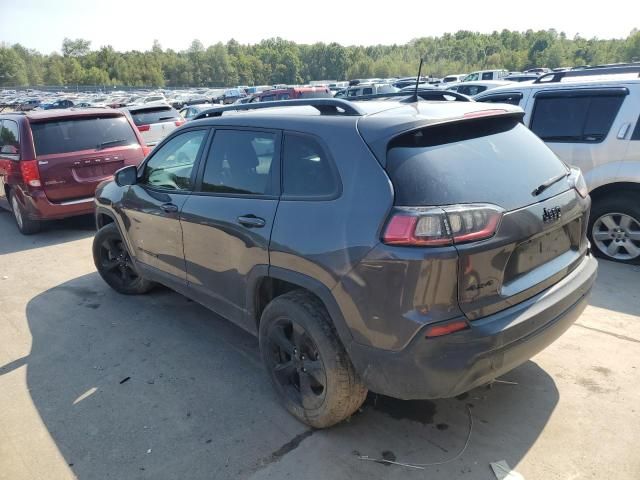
588, 117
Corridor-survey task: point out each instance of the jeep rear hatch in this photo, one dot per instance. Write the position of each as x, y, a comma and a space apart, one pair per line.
492, 189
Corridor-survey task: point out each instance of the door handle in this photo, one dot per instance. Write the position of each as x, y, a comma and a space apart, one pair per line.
251, 221
169, 208
622, 133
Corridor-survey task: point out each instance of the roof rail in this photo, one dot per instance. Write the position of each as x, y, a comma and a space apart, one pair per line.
554, 77
434, 94
326, 106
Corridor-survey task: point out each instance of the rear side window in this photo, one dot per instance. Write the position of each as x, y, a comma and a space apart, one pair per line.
579, 118
240, 162
9, 138
154, 115
64, 136
307, 169
487, 160
510, 98
487, 76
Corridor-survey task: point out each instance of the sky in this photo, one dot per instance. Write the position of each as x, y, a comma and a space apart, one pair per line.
134, 24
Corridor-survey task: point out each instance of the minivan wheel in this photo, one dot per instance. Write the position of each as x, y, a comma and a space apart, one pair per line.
614, 229
114, 264
25, 224
307, 364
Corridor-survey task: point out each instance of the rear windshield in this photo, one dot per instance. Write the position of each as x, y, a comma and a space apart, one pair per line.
155, 115
320, 94
64, 136
496, 161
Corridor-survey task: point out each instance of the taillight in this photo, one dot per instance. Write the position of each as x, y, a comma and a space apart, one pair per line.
578, 182
439, 226
446, 328
145, 151
179, 122
143, 128
30, 173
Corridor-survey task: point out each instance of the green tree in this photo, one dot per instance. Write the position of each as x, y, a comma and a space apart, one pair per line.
75, 48
13, 71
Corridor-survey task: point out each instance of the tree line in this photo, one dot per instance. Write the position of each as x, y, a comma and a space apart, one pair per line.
275, 60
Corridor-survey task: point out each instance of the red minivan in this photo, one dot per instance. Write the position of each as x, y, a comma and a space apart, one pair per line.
51, 161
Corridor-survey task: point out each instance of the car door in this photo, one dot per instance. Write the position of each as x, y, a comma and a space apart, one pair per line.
227, 221
151, 207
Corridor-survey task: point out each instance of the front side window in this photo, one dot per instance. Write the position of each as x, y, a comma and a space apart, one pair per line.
9, 138
306, 168
240, 162
171, 165
580, 118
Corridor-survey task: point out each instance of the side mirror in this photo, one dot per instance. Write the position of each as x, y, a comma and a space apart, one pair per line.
126, 176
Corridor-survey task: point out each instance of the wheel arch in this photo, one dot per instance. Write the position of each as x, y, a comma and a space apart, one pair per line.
266, 283
614, 188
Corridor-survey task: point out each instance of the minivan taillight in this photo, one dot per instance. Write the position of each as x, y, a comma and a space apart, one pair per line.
30, 173
439, 226
144, 128
179, 123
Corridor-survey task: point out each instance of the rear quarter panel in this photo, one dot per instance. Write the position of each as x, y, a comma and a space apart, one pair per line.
326, 239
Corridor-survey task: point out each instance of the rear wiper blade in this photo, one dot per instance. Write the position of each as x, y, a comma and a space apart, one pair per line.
548, 183
110, 142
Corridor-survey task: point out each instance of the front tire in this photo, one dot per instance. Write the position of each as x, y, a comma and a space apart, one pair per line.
114, 264
614, 228
308, 366
24, 224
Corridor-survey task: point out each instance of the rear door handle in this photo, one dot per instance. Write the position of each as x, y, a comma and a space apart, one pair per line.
169, 208
622, 133
251, 221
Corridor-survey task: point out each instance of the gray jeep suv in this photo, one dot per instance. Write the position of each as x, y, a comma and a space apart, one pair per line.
415, 249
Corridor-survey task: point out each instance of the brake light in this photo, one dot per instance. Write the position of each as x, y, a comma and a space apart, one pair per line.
484, 113
143, 128
179, 122
446, 328
439, 226
145, 151
30, 173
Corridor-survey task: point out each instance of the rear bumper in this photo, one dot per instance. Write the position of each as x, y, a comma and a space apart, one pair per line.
452, 364
39, 207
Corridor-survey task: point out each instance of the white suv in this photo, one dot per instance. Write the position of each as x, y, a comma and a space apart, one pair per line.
591, 119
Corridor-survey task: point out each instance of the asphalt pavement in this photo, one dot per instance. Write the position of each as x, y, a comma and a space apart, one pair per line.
96, 385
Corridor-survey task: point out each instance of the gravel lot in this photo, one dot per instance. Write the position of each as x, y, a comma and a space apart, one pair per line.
94, 385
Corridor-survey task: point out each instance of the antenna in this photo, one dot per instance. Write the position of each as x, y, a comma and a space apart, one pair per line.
415, 92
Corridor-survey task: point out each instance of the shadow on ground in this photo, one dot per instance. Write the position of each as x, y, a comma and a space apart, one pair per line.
614, 293
159, 387
52, 233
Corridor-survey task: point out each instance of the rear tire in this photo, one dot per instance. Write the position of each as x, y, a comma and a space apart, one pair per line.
24, 224
114, 264
308, 366
614, 228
